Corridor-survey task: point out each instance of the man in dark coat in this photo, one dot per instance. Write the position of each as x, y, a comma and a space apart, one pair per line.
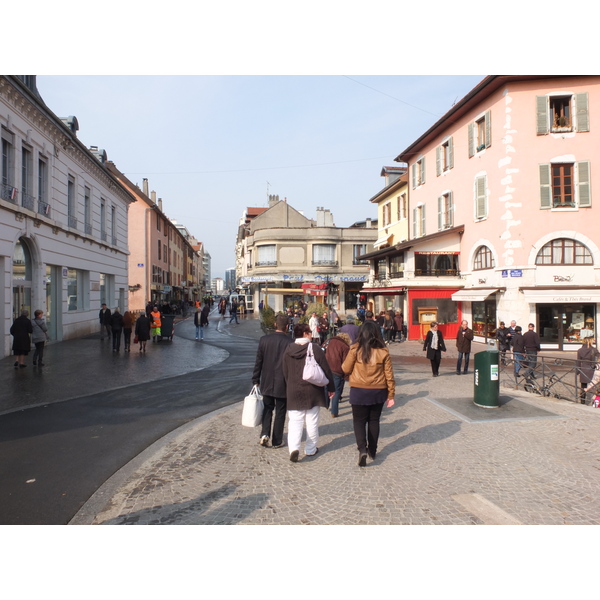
503, 341
116, 324
518, 349
531, 342
21, 330
268, 375
464, 337
104, 316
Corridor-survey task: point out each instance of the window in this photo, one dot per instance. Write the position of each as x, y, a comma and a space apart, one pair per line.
564, 251
444, 156
87, 210
113, 225
27, 199
324, 254
43, 206
402, 207
158, 220
418, 173
560, 113
565, 185
481, 205
397, 266
159, 250
266, 256
484, 259
7, 191
381, 269
73, 289
102, 219
445, 211
71, 207
419, 221
359, 250
480, 134
386, 214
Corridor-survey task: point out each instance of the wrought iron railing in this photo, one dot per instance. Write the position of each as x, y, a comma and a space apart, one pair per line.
9, 192
550, 376
437, 273
324, 263
27, 200
43, 208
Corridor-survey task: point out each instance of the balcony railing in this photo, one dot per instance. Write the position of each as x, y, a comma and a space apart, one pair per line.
437, 273
44, 208
9, 193
266, 263
324, 263
27, 200
396, 274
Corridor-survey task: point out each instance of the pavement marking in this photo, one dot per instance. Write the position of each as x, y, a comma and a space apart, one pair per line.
485, 510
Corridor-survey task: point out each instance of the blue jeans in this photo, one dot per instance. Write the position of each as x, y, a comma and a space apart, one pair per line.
459, 362
199, 332
519, 359
234, 316
338, 381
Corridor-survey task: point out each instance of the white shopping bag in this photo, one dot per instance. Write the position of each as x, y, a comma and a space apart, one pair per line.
253, 408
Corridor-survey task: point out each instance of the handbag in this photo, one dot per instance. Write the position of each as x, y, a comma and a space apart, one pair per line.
135, 339
313, 373
253, 408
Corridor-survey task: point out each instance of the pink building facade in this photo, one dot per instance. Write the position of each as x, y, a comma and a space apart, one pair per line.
504, 222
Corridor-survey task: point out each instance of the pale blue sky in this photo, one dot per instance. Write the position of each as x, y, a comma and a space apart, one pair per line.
209, 144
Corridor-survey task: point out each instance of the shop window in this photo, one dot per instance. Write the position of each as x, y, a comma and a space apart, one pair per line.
484, 259
564, 251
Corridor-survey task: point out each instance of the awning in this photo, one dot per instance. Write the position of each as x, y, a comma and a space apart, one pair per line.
382, 240
473, 295
286, 291
560, 296
314, 286
384, 290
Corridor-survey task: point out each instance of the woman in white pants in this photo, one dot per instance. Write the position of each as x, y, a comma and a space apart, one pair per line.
304, 399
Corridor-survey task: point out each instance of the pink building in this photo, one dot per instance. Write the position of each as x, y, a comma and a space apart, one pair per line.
503, 223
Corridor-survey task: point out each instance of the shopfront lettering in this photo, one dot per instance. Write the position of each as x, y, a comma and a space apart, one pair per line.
572, 299
561, 278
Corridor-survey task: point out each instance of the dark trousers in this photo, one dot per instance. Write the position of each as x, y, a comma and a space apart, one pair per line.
365, 419
127, 336
38, 355
280, 406
106, 327
116, 337
531, 357
435, 362
459, 362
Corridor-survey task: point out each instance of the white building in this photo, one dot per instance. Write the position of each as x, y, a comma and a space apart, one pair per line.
63, 219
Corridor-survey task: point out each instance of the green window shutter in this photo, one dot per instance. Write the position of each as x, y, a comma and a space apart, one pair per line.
488, 128
583, 183
471, 132
451, 210
450, 153
438, 161
423, 220
480, 201
581, 104
440, 212
541, 104
545, 187
414, 175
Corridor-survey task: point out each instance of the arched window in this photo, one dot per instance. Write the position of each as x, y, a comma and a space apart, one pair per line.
484, 259
564, 251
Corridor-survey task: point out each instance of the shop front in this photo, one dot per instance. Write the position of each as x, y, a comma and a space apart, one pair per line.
426, 305
483, 310
565, 317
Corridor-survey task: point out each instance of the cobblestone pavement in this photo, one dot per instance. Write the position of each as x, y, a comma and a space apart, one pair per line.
437, 464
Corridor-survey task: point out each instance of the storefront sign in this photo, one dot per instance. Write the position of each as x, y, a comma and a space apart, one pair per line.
559, 278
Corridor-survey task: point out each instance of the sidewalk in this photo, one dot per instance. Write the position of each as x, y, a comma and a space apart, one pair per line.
442, 460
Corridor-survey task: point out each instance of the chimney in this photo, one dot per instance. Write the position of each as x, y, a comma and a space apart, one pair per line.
368, 223
273, 200
160, 204
153, 196
145, 186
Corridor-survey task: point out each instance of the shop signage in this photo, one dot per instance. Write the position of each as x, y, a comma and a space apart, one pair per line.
559, 278
504, 273
308, 279
572, 299
140, 264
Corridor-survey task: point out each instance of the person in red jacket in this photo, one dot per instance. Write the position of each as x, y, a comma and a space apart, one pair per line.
336, 353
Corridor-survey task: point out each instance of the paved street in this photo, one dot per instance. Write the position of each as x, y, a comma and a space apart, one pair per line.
442, 460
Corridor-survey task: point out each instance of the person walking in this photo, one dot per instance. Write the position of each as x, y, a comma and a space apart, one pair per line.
518, 349
503, 341
155, 323
198, 323
233, 311
434, 346
313, 323
116, 324
510, 334
464, 337
104, 317
323, 328
127, 329
531, 341
304, 399
388, 326
39, 337
21, 330
399, 326
336, 353
372, 385
142, 330
587, 358
350, 328
268, 376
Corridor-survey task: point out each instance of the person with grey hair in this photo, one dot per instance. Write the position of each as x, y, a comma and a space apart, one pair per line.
21, 330
39, 337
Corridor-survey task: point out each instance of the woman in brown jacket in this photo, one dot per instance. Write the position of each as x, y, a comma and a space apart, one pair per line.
371, 385
304, 399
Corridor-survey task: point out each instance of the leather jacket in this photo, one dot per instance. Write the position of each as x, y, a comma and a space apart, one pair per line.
376, 374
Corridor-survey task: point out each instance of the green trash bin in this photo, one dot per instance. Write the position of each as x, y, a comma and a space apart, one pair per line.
487, 379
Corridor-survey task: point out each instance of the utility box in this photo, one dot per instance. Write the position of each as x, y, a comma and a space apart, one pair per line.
487, 379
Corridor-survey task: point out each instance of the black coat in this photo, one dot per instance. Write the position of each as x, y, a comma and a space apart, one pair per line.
104, 316
503, 341
142, 328
116, 321
21, 330
268, 368
427, 344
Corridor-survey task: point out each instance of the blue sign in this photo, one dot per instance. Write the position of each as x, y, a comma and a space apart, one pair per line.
504, 273
516, 273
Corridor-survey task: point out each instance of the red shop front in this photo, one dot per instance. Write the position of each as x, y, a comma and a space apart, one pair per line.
448, 312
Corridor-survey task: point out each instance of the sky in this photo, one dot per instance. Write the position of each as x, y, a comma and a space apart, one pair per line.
213, 145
